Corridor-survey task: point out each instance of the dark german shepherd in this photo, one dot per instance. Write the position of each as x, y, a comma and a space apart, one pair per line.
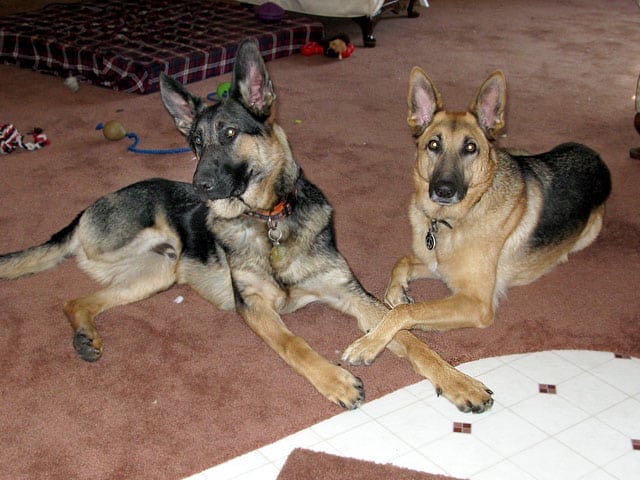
250, 233
483, 219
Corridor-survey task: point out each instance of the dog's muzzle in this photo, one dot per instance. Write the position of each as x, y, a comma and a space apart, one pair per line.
218, 182
445, 192
209, 190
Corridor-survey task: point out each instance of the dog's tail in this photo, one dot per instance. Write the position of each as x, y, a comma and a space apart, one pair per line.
42, 257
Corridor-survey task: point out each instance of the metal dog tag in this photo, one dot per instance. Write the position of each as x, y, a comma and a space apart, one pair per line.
430, 240
278, 252
274, 233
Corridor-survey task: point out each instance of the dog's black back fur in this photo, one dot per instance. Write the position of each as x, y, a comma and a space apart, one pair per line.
564, 174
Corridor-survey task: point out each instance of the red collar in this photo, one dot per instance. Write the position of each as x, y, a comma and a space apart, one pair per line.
282, 209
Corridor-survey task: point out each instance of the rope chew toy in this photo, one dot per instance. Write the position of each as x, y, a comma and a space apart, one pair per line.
113, 130
10, 139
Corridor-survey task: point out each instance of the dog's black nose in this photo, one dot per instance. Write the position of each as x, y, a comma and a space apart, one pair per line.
203, 186
204, 189
444, 190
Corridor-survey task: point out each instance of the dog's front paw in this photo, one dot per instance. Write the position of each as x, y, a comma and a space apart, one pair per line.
364, 350
465, 392
343, 388
396, 295
89, 348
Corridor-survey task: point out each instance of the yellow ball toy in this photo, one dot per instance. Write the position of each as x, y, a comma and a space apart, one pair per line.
113, 130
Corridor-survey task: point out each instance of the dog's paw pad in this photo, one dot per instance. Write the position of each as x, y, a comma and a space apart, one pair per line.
477, 400
363, 351
465, 392
85, 347
347, 391
397, 296
358, 398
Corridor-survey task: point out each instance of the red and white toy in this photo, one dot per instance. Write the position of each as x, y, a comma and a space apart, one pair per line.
336, 47
10, 139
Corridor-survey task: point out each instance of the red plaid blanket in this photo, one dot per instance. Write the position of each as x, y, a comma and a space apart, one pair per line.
125, 44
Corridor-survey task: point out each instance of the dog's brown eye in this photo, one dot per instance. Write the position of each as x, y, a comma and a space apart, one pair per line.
470, 147
433, 145
197, 139
230, 132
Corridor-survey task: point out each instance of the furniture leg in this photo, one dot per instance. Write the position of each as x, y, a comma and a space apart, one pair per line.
367, 24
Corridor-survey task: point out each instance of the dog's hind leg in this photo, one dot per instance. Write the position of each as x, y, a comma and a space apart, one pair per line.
591, 230
82, 311
132, 278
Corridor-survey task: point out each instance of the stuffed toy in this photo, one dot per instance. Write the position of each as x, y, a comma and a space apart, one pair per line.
339, 46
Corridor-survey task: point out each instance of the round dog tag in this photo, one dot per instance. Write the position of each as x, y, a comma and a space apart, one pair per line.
430, 241
278, 252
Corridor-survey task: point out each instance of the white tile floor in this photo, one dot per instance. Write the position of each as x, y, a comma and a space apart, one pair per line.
586, 427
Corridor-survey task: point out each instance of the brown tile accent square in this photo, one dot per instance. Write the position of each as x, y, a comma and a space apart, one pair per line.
460, 427
544, 388
635, 444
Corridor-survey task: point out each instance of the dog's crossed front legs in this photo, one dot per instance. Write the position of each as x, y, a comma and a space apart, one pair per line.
260, 307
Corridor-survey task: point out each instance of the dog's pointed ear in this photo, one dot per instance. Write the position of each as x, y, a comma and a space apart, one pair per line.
181, 104
251, 85
424, 101
488, 104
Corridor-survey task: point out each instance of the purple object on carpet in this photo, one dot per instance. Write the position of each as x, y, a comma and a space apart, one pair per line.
270, 12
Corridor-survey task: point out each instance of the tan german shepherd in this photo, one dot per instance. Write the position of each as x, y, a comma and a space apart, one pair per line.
483, 219
249, 234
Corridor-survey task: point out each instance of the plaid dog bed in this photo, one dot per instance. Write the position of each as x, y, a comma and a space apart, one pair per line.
125, 44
